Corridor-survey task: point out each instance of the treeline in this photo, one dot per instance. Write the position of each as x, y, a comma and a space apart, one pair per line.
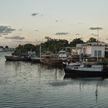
4, 47
53, 45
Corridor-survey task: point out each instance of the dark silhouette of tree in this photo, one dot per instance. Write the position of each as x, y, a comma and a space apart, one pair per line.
6, 47
76, 41
92, 40
54, 45
23, 49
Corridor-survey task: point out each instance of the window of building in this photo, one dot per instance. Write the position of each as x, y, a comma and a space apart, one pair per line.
99, 53
84, 51
95, 53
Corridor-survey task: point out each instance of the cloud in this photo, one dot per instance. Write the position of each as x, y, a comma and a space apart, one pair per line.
5, 30
35, 14
95, 28
36, 30
106, 39
57, 20
77, 34
20, 30
94, 34
62, 33
80, 23
15, 37
41, 14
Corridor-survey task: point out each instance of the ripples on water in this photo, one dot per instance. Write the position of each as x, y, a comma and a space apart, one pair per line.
26, 85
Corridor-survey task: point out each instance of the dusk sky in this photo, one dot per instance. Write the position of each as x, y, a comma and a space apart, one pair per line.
29, 21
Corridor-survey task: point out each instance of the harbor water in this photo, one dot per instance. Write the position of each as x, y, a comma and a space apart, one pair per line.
27, 85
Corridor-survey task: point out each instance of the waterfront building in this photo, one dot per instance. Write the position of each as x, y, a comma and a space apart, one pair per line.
93, 49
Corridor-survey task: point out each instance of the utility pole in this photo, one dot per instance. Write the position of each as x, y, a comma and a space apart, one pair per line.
96, 28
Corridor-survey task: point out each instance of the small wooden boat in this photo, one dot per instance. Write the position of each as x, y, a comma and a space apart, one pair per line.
51, 61
18, 58
14, 58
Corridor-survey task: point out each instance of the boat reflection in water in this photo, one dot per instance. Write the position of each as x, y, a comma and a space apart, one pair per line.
41, 70
28, 85
90, 82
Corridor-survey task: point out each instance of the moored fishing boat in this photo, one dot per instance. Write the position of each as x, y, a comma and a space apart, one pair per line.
51, 61
14, 58
54, 59
95, 70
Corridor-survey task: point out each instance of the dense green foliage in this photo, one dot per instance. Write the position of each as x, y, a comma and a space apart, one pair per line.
76, 41
92, 40
54, 45
23, 49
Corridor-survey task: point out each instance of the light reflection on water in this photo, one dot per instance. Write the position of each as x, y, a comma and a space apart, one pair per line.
26, 85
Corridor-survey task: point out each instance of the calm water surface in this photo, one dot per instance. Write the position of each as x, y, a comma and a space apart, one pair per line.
26, 85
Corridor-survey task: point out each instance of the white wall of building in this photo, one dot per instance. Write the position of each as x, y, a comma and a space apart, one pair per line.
91, 48
88, 50
98, 48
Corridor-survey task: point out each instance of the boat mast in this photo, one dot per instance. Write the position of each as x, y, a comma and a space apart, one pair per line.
40, 50
97, 28
97, 43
